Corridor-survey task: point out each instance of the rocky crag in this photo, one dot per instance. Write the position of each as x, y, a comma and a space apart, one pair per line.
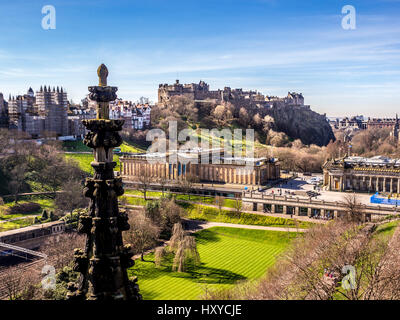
300, 122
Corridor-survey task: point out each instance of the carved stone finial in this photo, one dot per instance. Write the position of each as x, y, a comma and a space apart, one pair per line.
102, 72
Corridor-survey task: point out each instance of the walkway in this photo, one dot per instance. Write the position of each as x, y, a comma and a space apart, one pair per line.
19, 218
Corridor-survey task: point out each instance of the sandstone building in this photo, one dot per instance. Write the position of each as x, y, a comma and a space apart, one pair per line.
53, 104
376, 174
47, 111
136, 115
229, 170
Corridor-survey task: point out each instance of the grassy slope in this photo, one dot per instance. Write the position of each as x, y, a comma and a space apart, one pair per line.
385, 231
47, 204
207, 213
200, 212
78, 146
229, 203
227, 255
84, 159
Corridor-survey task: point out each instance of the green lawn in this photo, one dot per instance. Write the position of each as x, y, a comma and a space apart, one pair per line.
78, 146
229, 203
20, 223
126, 147
84, 160
227, 255
200, 212
386, 230
44, 203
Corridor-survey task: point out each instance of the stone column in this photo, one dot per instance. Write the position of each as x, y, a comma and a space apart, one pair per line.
272, 208
384, 184
284, 209
377, 184
309, 212
167, 170
296, 211
335, 213
391, 185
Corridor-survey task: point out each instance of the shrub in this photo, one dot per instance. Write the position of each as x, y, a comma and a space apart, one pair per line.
28, 207
45, 216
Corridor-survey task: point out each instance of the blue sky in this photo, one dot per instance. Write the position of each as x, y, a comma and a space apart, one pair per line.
268, 45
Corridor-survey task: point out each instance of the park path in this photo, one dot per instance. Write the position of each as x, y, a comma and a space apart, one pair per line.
19, 218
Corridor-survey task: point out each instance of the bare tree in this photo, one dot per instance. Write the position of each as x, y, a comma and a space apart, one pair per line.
142, 235
60, 248
18, 176
20, 282
177, 236
219, 201
185, 249
237, 205
222, 115
159, 254
145, 180
71, 198
353, 207
162, 181
186, 184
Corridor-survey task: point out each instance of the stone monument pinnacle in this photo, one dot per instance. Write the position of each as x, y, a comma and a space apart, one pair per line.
102, 72
104, 262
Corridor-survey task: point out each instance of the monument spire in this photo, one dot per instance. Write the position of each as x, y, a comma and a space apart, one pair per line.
104, 262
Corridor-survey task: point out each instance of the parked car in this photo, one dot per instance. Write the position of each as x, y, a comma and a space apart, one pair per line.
314, 180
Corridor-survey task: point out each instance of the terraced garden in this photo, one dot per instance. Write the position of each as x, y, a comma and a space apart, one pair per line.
228, 255
208, 213
22, 219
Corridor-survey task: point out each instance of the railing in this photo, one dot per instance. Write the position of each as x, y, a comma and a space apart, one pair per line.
20, 249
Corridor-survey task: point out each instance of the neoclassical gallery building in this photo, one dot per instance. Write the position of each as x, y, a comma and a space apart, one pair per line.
178, 165
376, 174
